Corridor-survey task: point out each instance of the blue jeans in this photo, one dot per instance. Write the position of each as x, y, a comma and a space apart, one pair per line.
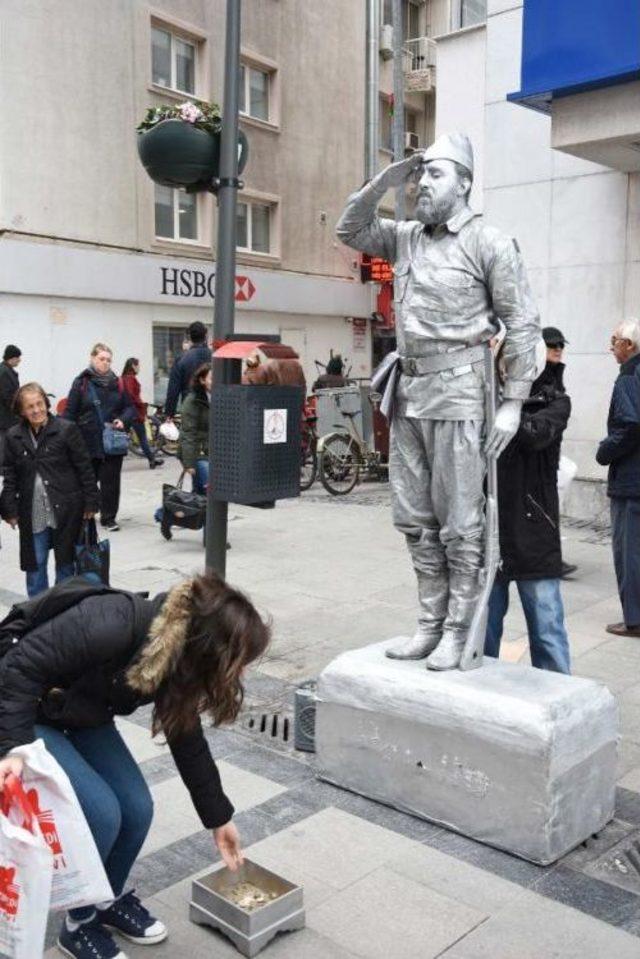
625, 527
38, 580
141, 432
544, 613
112, 792
201, 477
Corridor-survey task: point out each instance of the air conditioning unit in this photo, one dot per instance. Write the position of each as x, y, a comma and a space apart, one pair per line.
427, 49
411, 141
386, 41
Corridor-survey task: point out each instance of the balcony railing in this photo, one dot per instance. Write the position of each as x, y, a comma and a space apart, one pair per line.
419, 65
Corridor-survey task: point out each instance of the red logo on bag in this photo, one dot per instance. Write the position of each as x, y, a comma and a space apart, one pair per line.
9, 891
47, 826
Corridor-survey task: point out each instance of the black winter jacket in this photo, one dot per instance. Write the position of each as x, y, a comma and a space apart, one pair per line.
115, 404
9, 385
528, 483
620, 451
62, 460
70, 673
182, 373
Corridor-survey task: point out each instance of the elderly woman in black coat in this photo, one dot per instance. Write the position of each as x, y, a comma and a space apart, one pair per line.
97, 398
49, 487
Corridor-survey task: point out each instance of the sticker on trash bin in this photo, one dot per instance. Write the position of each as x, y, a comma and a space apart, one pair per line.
275, 426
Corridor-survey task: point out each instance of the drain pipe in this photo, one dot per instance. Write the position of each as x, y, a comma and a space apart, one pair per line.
372, 93
398, 102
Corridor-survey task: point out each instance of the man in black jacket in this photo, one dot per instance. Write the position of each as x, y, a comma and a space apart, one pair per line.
9, 385
620, 451
183, 369
529, 525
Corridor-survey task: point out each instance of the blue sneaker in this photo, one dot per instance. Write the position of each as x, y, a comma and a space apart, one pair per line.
88, 941
129, 917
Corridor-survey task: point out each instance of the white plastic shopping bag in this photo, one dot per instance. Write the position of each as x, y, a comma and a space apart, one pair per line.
79, 878
567, 470
26, 867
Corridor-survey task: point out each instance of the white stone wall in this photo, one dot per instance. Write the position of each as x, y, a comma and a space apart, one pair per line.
577, 223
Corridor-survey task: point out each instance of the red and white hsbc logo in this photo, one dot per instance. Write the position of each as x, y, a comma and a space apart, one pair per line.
244, 289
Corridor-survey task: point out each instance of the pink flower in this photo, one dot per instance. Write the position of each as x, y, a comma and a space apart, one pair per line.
190, 112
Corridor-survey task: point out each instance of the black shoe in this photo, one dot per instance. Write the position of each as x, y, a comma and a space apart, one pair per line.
129, 917
89, 941
165, 529
152, 464
567, 570
111, 526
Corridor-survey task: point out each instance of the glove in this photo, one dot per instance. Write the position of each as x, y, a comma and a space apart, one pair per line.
505, 427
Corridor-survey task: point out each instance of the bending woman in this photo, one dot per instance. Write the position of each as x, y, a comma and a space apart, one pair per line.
185, 652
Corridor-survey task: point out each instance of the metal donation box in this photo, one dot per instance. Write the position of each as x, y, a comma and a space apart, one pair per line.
256, 449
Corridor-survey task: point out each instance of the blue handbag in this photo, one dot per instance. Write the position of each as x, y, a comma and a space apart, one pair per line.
114, 442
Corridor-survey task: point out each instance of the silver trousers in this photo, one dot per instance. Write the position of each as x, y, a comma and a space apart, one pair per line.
436, 471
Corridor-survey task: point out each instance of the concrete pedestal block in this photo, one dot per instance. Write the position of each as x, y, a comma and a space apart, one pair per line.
516, 757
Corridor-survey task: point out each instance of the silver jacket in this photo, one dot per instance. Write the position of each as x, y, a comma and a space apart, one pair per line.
452, 285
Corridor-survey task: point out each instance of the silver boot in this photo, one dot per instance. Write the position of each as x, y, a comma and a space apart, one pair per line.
463, 595
433, 593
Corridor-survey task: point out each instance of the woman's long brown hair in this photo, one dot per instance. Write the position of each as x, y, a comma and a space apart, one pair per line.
225, 634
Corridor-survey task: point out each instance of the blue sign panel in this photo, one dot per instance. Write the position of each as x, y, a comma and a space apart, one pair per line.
574, 45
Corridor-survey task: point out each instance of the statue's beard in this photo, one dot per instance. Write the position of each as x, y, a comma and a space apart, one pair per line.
432, 212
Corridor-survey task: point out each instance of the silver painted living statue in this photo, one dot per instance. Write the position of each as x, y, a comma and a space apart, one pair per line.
456, 280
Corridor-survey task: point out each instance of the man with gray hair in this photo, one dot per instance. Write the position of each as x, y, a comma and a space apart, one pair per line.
620, 451
455, 281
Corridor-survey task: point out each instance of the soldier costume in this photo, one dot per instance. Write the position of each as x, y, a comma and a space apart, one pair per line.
453, 283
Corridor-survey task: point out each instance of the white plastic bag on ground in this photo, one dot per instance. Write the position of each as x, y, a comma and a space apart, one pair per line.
79, 878
567, 470
26, 867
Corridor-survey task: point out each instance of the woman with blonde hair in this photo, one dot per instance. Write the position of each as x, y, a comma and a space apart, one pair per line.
102, 408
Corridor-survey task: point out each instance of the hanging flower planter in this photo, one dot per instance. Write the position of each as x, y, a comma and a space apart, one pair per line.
180, 146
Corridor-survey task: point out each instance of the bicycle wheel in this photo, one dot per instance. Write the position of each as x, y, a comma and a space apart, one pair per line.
308, 467
339, 464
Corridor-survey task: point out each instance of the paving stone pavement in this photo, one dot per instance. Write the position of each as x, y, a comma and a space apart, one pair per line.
334, 575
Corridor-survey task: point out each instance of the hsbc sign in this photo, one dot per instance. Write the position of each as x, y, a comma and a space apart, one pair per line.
196, 284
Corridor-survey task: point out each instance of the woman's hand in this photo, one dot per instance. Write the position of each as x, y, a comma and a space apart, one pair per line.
12, 521
190, 470
88, 514
227, 839
10, 766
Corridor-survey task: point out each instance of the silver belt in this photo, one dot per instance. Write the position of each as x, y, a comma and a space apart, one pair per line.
437, 362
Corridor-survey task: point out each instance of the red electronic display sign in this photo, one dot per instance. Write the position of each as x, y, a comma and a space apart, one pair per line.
375, 269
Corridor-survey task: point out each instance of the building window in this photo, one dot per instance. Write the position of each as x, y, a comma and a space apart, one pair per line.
176, 214
255, 92
254, 227
411, 27
472, 12
173, 61
386, 125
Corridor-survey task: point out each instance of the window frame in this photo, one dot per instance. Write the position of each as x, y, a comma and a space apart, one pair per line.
273, 202
254, 61
176, 238
250, 203
247, 68
459, 24
187, 33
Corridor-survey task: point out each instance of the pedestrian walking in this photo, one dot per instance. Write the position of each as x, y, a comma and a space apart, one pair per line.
185, 652
620, 451
9, 385
131, 385
555, 342
49, 487
98, 400
183, 369
529, 520
193, 445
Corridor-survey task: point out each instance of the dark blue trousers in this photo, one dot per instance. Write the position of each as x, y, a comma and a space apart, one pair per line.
625, 522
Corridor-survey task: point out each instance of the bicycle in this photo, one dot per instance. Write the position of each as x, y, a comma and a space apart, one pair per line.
309, 437
345, 454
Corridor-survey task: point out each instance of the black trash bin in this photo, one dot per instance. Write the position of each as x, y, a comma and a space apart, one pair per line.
256, 451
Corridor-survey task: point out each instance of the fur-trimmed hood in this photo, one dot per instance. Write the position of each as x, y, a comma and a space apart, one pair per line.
168, 636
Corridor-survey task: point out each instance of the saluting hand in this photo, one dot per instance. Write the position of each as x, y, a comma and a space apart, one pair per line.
227, 839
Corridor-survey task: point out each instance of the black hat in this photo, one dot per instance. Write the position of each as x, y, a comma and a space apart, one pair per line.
552, 335
11, 352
